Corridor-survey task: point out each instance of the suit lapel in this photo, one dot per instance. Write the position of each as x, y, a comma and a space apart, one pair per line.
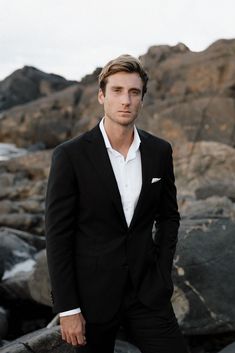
146, 165
99, 157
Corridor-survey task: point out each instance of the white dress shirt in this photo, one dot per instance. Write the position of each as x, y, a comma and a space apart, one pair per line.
128, 175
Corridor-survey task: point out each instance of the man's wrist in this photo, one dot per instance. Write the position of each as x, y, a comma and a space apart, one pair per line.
70, 312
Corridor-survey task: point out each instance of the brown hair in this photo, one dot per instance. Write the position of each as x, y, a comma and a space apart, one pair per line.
126, 63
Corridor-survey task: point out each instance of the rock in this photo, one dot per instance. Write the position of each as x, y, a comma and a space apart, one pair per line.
125, 347
28, 280
190, 98
203, 165
46, 121
27, 84
223, 188
3, 323
9, 150
15, 286
39, 146
38, 282
229, 349
49, 340
13, 251
204, 259
198, 119
212, 207
35, 241
22, 191
18, 258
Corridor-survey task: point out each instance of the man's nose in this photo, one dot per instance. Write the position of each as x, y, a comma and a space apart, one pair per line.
125, 99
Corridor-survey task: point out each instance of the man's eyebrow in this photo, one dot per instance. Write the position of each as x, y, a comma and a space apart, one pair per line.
130, 89
116, 87
135, 89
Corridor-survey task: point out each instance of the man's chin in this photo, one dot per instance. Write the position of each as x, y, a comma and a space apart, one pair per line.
126, 120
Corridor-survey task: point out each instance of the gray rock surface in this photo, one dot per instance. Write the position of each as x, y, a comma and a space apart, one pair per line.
38, 282
229, 349
204, 258
49, 341
203, 274
13, 251
3, 323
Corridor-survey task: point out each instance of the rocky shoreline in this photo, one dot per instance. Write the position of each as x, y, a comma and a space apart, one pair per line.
191, 103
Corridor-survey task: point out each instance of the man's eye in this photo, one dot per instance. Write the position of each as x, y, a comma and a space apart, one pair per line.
136, 93
116, 90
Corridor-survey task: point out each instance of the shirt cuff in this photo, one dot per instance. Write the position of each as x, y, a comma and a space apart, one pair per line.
70, 312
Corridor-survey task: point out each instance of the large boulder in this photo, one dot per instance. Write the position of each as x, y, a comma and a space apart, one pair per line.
27, 84
14, 252
203, 274
38, 281
49, 340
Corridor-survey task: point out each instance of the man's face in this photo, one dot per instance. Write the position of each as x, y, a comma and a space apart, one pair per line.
123, 97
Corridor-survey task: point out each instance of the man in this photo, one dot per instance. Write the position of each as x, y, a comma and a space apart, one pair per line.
106, 190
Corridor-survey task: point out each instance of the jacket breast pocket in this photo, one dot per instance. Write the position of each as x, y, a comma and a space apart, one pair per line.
156, 184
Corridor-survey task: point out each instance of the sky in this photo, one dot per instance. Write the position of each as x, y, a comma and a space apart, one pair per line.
73, 37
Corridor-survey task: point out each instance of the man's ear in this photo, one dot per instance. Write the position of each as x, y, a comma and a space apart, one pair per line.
101, 96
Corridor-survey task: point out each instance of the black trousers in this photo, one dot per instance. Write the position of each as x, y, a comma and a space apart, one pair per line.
152, 331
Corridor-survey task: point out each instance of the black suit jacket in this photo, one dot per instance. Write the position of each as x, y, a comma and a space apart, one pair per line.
90, 248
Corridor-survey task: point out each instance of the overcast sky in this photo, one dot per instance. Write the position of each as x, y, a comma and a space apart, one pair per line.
73, 37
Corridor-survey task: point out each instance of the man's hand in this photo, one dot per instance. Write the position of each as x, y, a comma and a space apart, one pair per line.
73, 329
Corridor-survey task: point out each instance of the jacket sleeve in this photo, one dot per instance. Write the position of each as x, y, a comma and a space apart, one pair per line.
61, 201
167, 224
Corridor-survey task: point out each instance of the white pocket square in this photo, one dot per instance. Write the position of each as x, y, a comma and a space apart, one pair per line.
154, 180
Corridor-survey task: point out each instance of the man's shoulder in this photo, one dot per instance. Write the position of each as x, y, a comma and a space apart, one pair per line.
156, 141
75, 143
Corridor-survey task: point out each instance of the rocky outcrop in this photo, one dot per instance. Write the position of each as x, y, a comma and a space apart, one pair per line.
204, 265
13, 251
47, 121
203, 170
206, 168
27, 84
190, 102
49, 340
190, 98
203, 259
22, 191
20, 269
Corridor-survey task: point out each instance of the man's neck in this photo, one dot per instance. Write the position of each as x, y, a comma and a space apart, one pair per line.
120, 137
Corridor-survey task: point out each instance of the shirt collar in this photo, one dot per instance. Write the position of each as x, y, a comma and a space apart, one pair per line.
134, 146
